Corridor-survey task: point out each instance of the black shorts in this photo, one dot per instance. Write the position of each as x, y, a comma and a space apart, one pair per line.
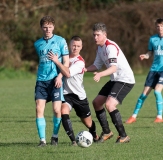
47, 91
154, 78
81, 107
115, 89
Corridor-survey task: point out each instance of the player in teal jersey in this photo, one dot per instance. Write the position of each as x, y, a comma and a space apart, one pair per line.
154, 79
49, 79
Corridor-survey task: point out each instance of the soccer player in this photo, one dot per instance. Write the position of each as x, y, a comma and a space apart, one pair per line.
115, 90
49, 81
74, 93
154, 79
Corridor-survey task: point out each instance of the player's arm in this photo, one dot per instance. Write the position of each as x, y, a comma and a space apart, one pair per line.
145, 56
104, 73
98, 63
112, 60
91, 68
64, 68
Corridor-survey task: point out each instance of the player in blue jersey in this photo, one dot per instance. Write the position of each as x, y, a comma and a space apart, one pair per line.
49, 79
154, 79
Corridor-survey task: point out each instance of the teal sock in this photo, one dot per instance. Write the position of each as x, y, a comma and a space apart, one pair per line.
56, 123
41, 125
159, 102
139, 104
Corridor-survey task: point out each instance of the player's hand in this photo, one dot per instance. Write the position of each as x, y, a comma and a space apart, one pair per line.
58, 82
142, 56
85, 69
97, 76
52, 56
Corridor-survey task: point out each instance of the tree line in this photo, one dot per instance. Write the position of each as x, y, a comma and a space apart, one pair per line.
130, 23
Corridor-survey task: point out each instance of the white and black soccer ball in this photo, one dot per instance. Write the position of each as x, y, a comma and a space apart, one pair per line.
84, 139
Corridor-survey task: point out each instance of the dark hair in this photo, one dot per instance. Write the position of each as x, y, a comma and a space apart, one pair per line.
159, 20
100, 27
76, 38
47, 19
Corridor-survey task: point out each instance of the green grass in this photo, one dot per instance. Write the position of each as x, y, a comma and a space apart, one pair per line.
19, 139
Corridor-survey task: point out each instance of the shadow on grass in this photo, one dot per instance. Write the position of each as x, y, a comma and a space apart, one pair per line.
30, 144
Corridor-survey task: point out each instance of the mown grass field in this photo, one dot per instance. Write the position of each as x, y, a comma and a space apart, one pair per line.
19, 139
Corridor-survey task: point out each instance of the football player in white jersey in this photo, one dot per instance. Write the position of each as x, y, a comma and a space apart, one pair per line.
74, 92
115, 90
154, 79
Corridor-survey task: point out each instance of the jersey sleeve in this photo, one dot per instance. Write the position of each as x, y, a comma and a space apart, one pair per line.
98, 61
150, 48
112, 52
77, 68
64, 47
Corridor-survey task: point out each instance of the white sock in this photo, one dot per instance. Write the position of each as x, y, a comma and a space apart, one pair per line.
134, 115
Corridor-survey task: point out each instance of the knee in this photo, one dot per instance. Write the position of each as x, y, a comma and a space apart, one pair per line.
65, 110
95, 103
110, 106
158, 95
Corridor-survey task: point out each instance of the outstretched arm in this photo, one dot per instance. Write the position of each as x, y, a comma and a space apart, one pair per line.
91, 68
145, 56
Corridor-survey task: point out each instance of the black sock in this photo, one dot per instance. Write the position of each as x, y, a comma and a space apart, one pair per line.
101, 116
92, 129
66, 122
117, 121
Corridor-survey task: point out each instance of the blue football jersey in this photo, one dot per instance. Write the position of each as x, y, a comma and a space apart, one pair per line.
47, 69
156, 46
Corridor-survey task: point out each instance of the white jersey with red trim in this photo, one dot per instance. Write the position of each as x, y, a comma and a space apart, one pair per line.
74, 84
110, 54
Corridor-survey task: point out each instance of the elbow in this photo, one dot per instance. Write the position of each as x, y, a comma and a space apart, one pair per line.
115, 68
67, 75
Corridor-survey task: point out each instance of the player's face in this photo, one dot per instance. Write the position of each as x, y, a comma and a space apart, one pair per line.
99, 37
159, 28
75, 47
47, 29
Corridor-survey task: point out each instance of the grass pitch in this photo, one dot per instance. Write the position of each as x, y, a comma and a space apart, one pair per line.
19, 139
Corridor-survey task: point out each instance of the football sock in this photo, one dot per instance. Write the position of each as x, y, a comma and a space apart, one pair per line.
92, 129
56, 126
41, 125
117, 121
67, 125
159, 102
139, 105
101, 116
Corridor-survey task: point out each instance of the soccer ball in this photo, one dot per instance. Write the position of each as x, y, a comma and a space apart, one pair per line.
84, 139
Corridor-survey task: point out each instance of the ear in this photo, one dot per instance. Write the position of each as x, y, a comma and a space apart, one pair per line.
105, 34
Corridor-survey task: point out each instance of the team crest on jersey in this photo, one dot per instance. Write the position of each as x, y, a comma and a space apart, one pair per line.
112, 60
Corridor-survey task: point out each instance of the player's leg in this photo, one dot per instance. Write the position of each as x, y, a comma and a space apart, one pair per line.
40, 121
57, 98
40, 99
118, 93
90, 124
149, 85
159, 102
66, 122
139, 105
98, 103
83, 111
115, 115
